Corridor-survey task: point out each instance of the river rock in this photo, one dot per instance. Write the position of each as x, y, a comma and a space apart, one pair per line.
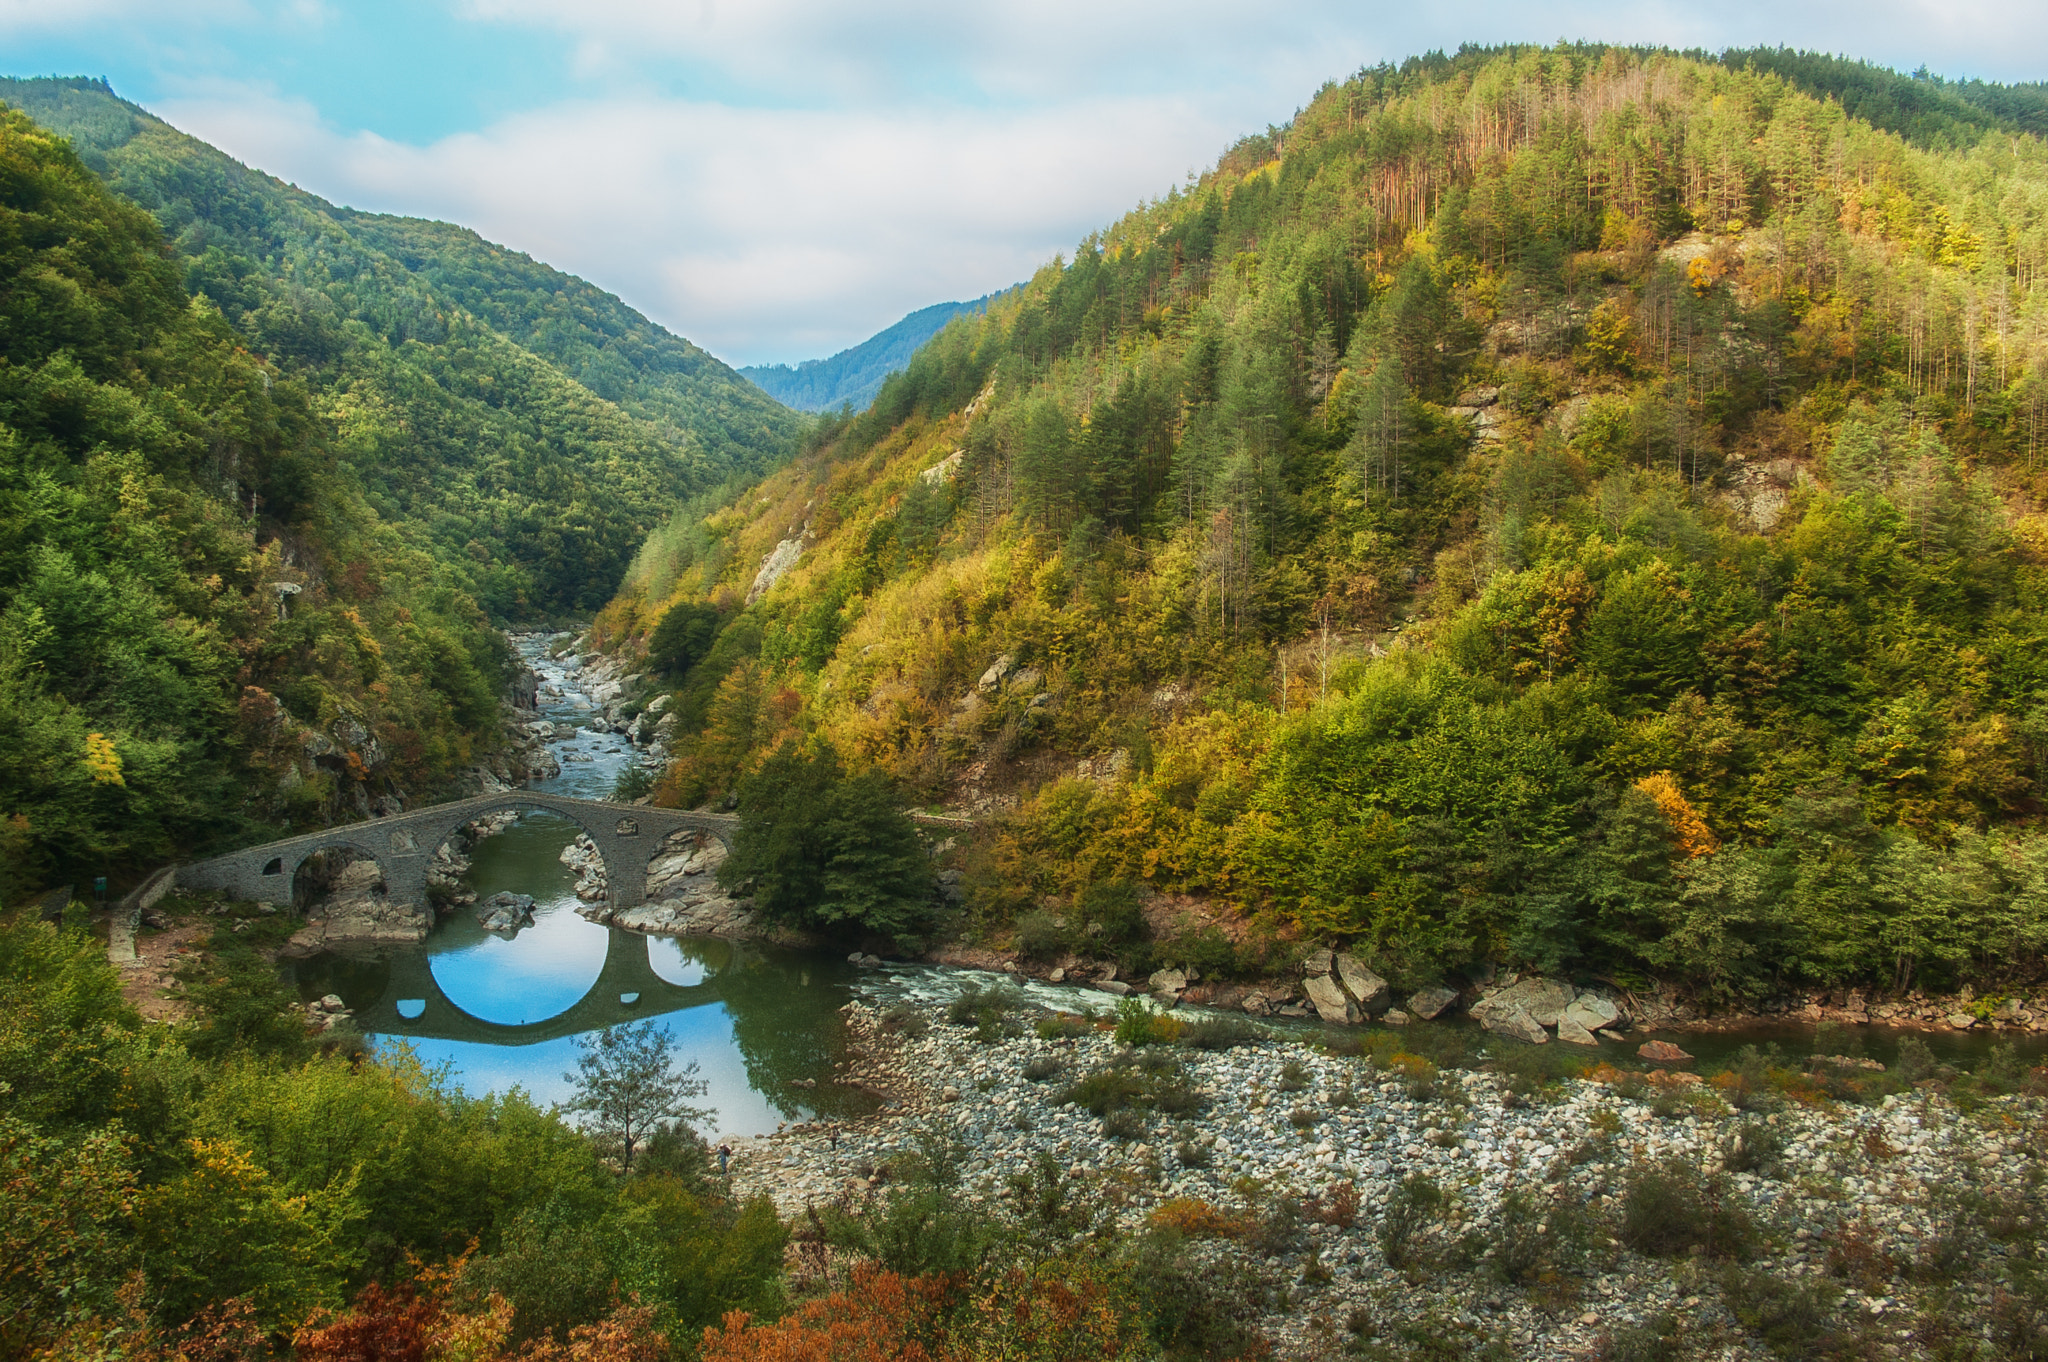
1572, 1033
1395, 1017
1370, 990
1168, 981
1329, 1000
1116, 986
1516, 1023
1543, 999
1256, 1004
1591, 1011
1316, 962
1961, 1021
1427, 1004
1663, 1052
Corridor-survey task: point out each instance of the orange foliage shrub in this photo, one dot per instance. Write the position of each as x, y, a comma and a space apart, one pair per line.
885, 1317
1197, 1219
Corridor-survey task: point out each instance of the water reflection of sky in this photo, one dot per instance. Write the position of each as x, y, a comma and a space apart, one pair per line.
703, 1034
529, 977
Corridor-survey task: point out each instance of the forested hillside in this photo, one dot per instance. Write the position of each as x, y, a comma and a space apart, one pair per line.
1573, 508
855, 375
203, 628
521, 425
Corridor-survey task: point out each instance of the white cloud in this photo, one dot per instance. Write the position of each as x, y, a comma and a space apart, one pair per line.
761, 234
779, 178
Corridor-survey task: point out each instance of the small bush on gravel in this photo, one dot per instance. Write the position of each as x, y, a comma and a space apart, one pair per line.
1914, 1062
1294, 1076
1660, 1338
1221, 1033
1138, 1024
1123, 1123
1105, 1090
1041, 1068
1533, 1070
1793, 1319
1063, 1026
1193, 1151
1411, 1209
903, 1019
1754, 1147
977, 1006
1198, 1309
1668, 1209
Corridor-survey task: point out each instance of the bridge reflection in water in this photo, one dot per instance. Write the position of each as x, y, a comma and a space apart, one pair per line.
762, 1023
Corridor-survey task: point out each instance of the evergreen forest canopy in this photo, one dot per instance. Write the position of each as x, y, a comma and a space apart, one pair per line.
1574, 507
205, 630
519, 424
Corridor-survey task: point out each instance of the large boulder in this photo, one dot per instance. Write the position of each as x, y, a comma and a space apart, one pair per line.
1663, 1052
1592, 1011
1543, 999
1571, 1033
1516, 1023
1168, 981
1368, 988
1427, 1004
1316, 962
1329, 1000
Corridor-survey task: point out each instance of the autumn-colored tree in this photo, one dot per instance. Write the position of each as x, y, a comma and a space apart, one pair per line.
1688, 829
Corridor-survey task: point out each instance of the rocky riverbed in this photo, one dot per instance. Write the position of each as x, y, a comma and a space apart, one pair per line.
1854, 1201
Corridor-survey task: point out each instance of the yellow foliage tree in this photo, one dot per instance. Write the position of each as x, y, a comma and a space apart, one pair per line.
1690, 830
102, 761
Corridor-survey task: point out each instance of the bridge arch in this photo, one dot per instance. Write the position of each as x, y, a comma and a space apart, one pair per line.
601, 825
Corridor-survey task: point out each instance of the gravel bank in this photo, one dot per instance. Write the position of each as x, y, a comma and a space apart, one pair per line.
1284, 1122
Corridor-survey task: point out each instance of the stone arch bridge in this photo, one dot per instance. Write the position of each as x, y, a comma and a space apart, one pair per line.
627, 837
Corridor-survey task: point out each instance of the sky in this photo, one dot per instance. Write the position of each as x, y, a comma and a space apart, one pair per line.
779, 179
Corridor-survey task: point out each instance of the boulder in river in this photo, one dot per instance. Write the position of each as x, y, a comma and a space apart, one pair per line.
1516, 1022
1571, 1033
1663, 1052
1427, 1004
1171, 982
1368, 988
505, 912
1329, 1000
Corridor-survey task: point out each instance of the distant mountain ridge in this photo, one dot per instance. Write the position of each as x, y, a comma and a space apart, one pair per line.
855, 375
523, 425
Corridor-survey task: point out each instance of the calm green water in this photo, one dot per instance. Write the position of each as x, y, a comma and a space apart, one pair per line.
762, 1025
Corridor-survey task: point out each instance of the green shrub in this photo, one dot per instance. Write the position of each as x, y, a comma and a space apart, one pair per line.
1793, 1319
1041, 1068
1294, 1076
978, 1006
1204, 948
1411, 1209
1668, 1209
1113, 908
1062, 1026
1753, 1147
1105, 1090
1221, 1032
1039, 937
1137, 1023
1660, 1338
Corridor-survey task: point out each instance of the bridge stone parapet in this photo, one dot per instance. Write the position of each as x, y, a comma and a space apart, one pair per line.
403, 846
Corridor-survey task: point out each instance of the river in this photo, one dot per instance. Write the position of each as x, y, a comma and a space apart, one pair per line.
761, 1023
